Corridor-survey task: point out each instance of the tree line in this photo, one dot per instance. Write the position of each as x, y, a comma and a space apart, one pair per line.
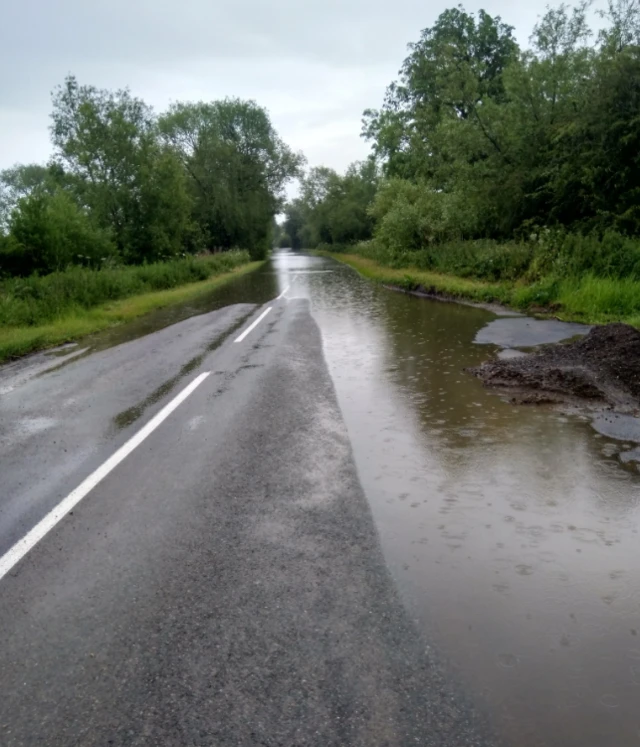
128, 186
481, 139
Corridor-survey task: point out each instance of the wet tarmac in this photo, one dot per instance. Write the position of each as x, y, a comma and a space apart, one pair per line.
511, 532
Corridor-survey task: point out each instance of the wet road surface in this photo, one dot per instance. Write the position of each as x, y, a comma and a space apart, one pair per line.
224, 583
228, 583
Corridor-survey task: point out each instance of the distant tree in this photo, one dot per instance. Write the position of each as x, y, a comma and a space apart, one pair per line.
238, 167
293, 224
139, 188
333, 209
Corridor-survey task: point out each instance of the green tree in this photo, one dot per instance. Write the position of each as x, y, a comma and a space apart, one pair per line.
20, 181
595, 177
333, 209
453, 69
509, 140
624, 25
134, 186
49, 232
238, 167
294, 224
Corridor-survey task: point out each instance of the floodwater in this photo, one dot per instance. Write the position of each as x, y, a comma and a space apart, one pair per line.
512, 532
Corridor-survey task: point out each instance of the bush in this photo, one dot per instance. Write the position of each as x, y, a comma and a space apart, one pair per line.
609, 255
409, 216
49, 232
337, 248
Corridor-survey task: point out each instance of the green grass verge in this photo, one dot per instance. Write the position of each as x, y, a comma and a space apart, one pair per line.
588, 299
38, 300
16, 341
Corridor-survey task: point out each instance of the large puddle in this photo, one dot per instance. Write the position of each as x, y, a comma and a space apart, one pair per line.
512, 531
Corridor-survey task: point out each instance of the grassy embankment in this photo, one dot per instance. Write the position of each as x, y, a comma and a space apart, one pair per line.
40, 312
579, 279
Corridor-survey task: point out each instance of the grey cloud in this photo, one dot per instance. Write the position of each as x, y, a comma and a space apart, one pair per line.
315, 65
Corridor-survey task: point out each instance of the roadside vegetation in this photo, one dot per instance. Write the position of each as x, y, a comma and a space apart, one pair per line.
133, 203
587, 299
499, 173
34, 300
40, 312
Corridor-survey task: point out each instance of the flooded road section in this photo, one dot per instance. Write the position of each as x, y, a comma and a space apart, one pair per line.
512, 531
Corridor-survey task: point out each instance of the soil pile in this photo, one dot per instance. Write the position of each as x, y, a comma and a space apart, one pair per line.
604, 365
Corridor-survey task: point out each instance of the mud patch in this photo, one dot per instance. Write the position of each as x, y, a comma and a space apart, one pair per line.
603, 367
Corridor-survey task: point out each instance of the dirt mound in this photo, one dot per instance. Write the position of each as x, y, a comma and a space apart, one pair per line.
603, 365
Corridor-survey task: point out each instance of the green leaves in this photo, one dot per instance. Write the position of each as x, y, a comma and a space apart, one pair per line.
20, 181
450, 73
50, 232
511, 139
127, 186
333, 209
131, 183
237, 168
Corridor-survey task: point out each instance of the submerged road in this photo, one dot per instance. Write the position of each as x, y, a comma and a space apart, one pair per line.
187, 556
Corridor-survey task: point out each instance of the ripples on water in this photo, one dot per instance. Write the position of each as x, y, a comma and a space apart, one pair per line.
512, 531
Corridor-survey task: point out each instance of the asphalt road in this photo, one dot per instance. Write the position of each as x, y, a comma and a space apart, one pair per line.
224, 583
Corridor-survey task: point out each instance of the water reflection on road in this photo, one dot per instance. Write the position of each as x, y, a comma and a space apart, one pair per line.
512, 532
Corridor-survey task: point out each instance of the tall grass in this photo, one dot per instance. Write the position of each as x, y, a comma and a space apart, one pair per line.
484, 260
552, 253
35, 300
586, 298
600, 299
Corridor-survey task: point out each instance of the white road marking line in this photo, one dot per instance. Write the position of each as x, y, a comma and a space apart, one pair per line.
44, 526
252, 326
283, 292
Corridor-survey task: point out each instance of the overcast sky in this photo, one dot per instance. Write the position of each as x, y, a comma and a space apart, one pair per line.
315, 65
